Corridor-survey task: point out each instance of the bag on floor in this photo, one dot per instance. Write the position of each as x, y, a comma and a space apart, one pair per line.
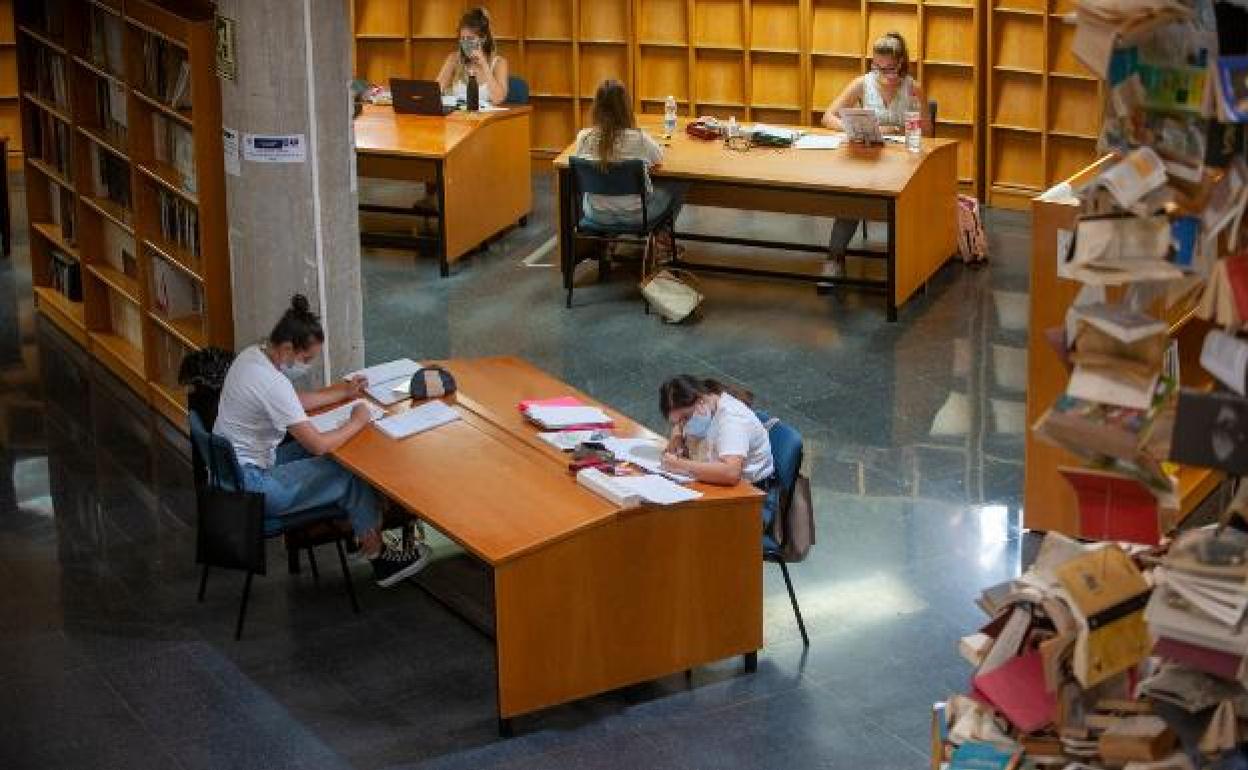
670, 291
972, 242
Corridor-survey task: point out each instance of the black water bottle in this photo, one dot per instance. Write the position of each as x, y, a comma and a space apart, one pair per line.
474, 94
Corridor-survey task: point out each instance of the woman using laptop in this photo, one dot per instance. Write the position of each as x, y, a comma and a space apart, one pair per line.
260, 406
476, 56
891, 92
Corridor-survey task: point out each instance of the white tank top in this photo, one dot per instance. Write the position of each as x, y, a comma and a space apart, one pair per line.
893, 113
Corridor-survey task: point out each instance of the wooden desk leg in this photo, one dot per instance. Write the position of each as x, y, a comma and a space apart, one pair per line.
444, 266
891, 289
563, 209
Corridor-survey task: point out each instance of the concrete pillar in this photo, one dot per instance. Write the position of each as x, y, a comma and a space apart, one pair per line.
294, 226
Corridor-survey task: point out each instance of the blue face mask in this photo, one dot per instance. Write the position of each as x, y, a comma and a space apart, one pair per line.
697, 426
295, 370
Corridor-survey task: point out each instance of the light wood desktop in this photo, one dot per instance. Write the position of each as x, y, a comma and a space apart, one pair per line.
587, 597
478, 162
913, 193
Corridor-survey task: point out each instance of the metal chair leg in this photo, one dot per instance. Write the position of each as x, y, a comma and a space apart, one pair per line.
797, 612
203, 583
645, 262
292, 560
316, 574
346, 577
242, 607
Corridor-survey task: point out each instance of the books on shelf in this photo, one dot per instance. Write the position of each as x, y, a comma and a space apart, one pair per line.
174, 146
166, 72
107, 41
174, 293
66, 275
126, 320
51, 139
110, 109
49, 77
112, 178
61, 211
179, 222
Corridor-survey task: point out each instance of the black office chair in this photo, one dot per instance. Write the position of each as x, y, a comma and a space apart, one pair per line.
517, 90
626, 177
786, 454
930, 133
219, 541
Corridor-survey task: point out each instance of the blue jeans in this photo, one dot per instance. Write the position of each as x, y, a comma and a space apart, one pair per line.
771, 505
657, 202
298, 482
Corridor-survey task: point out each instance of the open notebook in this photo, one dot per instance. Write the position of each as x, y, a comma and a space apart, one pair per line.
384, 380
337, 417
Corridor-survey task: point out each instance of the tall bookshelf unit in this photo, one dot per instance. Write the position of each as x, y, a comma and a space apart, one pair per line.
125, 183
1044, 107
778, 61
10, 121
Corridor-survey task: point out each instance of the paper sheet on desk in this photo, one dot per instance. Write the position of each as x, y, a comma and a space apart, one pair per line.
644, 453
417, 420
388, 382
337, 417
657, 490
819, 142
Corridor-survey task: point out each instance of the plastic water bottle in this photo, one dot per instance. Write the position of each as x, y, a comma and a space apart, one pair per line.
669, 116
474, 94
733, 129
914, 131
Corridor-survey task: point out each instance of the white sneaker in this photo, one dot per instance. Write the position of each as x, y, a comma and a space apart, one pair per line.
394, 565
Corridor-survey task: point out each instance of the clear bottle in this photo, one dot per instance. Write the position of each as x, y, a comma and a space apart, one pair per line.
669, 116
733, 129
914, 131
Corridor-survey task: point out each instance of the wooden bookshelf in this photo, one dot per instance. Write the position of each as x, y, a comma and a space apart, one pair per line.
152, 289
1049, 503
10, 97
777, 61
1044, 107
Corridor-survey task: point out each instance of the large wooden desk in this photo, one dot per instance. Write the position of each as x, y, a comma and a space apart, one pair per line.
478, 163
587, 597
914, 193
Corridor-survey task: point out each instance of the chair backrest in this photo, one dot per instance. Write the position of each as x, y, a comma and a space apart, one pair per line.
621, 177
792, 530
786, 455
517, 90
216, 456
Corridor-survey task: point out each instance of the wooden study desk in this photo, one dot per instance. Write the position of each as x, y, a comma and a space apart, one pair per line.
478, 163
913, 193
587, 597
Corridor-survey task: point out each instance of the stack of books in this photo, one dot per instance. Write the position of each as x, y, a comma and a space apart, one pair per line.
112, 178
52, 138
107, 42
49, 77
179, 222
174, 146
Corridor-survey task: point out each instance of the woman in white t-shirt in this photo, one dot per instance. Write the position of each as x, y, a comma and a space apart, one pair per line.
477, 56
613, 137
716, 437
260, 406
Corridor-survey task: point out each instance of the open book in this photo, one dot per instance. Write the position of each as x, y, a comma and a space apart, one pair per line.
337, 417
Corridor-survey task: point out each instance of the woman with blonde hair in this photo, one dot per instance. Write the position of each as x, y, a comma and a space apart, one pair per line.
889, 90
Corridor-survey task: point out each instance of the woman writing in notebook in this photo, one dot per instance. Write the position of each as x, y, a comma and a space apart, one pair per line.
889, 90
478, 57
260, 406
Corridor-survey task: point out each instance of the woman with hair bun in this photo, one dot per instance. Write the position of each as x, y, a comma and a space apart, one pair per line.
260, 406
477, 56
889, 90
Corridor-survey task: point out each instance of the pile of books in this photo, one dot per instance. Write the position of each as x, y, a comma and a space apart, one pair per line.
110, 109
66, 275
1126, 648
52, 138
112, 178
107, 42
166, 72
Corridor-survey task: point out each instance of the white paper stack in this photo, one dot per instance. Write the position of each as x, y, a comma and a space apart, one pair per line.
559, 417
417, 420
384, 380
337, 417
608, 487
631, 491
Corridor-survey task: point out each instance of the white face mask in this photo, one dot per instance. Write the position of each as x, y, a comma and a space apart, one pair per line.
295, 370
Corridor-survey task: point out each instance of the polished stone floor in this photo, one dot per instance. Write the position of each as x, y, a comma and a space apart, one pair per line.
914, 444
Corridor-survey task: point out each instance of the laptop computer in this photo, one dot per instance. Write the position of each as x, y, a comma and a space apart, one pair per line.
417, 97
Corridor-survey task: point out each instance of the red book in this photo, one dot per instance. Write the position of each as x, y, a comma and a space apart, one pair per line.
1114, 507
1237, 277
1216, 662
1017, 689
